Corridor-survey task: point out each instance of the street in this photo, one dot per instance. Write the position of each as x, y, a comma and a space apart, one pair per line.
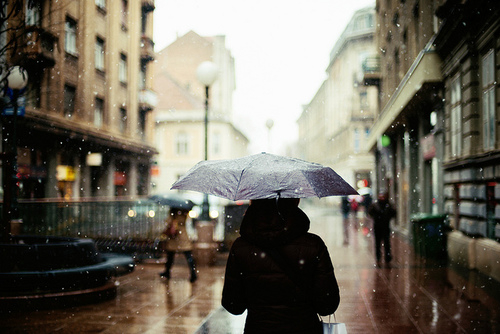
413, 295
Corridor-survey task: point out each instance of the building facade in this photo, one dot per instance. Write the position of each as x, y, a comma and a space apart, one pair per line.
181, 108
469, 47
436, 137
407, 135
334, 126
88, 128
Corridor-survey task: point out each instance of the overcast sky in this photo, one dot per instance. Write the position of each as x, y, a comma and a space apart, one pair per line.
281, 50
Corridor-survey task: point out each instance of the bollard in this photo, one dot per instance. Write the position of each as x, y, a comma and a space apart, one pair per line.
205, 248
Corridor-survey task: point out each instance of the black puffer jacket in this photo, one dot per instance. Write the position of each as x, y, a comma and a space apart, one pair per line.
255, 282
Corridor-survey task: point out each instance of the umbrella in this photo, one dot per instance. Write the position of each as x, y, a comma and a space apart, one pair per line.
173, 201
263, 176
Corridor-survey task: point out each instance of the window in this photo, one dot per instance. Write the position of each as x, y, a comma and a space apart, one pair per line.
122, 69
123, 120
488, 101
98, 112
124, 13
182, 143
33, 14
99, 54
142, 123
356, 141
216, 143
70, 37
142, 77
144, 21
363, 100
100, 3
456, 118
69, 101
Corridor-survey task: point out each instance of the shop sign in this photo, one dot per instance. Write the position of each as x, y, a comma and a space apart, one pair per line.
94, 159
155, 170
428, 147
120, 179
21, 105
65, 173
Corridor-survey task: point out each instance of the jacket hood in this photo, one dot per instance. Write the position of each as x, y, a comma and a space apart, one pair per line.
269, 223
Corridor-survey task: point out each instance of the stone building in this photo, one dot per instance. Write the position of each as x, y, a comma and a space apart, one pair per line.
334, 126
181, 107
436, 137
88, 128
407, 135
469, 47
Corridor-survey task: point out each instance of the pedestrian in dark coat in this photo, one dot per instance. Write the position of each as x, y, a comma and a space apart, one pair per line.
382, 212
255, 281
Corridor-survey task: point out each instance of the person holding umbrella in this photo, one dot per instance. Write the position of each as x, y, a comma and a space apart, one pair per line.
177, 241
277, 271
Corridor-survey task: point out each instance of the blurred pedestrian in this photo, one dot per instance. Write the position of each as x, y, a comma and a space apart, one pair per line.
277, 271
346, 209
177, 241
382, 211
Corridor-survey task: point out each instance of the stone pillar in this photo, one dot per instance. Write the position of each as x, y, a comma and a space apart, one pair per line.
51, 185
109, 188
205, 248
132, 177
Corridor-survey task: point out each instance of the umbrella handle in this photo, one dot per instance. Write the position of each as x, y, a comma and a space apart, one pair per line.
278, 196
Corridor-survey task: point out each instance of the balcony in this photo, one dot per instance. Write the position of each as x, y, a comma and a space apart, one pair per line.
147, 99
371, 71
39, 47
147, 49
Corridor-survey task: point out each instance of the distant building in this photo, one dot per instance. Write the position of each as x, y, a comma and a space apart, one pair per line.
88, 130
181, 109
335, 124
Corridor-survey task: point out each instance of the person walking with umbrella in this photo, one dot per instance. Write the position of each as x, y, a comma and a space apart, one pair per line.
277, 271
177, 241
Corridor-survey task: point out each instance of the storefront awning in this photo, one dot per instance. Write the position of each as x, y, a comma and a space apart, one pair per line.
425, 69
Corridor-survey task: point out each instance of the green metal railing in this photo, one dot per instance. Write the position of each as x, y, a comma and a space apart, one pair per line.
94, 219
125, 226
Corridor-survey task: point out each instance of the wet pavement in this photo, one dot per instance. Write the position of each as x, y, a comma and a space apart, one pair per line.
412, 295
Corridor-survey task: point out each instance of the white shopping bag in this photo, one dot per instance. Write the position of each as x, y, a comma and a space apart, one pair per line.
333, 327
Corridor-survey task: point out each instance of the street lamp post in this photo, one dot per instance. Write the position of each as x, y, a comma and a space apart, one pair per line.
17, 80
269, 125
206, 74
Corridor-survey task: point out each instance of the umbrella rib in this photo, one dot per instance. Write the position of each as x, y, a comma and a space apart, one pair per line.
238, 186
241, 176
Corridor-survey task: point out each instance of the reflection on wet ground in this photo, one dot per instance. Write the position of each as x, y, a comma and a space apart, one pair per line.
411, 296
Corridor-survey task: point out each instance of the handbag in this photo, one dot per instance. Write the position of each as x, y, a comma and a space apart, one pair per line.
333, 327
172, 231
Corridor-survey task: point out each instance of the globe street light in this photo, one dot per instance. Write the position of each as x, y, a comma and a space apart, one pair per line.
17, 79
206, 73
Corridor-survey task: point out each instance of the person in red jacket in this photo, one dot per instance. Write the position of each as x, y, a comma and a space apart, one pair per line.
277, 271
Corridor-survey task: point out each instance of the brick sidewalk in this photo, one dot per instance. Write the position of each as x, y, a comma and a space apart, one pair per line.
411, 296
